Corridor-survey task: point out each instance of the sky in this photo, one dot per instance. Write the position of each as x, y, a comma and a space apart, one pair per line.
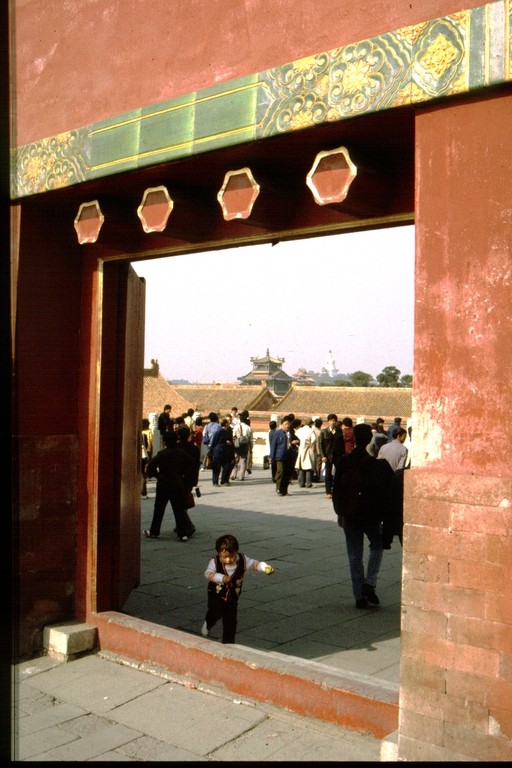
349, 294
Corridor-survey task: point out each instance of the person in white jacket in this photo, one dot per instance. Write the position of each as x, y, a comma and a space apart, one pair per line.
306, 457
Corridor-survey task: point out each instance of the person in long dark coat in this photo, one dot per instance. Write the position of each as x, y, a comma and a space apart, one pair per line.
174, 470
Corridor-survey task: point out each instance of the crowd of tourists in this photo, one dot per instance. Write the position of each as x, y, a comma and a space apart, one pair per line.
361, 467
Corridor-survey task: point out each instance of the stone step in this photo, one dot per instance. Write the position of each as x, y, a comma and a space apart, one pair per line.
69, 640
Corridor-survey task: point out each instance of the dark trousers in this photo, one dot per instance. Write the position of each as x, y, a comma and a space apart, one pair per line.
282, 476
227, 610
144, 481
329, 476
221, 469
166, 492
305, 478
354, 537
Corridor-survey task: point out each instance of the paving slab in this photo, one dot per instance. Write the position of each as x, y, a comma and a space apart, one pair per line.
94, 684
175, 721
176, 715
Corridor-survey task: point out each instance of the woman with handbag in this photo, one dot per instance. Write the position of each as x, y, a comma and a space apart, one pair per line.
208, 432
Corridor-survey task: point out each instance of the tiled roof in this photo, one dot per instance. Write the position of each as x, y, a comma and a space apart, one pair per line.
157, 392
265, 400
219, 398
370, 402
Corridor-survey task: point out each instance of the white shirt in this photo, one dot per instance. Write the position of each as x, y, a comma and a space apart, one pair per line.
218, 578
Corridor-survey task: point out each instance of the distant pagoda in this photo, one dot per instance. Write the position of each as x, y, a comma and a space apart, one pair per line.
269, 371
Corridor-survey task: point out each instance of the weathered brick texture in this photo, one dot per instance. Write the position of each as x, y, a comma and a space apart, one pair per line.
456, 670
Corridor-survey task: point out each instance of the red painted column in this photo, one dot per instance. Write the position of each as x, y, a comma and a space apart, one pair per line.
456, 683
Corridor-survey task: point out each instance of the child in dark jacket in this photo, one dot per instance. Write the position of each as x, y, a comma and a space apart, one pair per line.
225, 574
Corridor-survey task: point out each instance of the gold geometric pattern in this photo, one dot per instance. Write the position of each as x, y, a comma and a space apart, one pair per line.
464, 51
53, 163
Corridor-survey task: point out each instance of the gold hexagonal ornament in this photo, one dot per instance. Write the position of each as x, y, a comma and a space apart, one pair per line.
88, 222
238, 194
331, 175
155, 209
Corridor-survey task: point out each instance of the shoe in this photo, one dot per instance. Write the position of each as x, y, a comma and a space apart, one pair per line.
328, 495
281, 494
217, 485
369, 594
184, 538
362, 603
249, 471
204, 630
149, 535
227, 483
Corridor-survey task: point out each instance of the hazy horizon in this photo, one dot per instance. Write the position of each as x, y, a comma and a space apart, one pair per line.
208, 313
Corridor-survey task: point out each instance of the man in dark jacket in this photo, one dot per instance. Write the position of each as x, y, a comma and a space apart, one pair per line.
164, 420
361, 502
175, 474
332, 448
279, 454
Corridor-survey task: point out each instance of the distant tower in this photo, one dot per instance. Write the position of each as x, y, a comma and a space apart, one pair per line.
330, 365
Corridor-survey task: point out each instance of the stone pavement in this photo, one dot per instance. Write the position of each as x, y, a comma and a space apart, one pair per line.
305, 609
100, 708
109, 707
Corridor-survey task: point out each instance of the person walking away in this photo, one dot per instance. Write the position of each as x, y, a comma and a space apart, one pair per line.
279, 454
332, 447
242, 450
361, 502
146, 453
174, 472
223, 454
306, 455
225, 574
208, 433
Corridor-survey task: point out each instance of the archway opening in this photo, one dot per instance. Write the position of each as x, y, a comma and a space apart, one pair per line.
349, 295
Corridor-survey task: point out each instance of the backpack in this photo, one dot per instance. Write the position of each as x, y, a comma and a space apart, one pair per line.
348, 492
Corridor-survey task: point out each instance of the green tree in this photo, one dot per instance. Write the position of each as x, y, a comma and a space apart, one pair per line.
406, 380
361, 379
389, 377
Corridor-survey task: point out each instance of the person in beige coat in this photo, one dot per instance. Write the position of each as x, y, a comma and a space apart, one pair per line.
306, 457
